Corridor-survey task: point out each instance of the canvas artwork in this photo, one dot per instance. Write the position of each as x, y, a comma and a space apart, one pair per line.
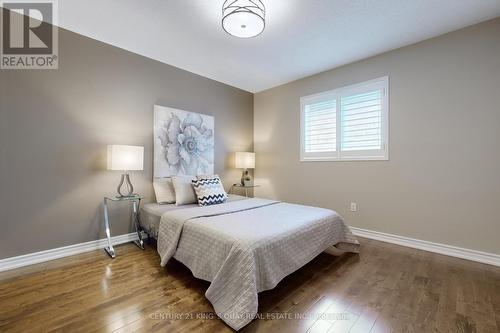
183, 143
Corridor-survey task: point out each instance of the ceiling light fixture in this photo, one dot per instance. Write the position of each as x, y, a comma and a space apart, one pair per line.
243, 18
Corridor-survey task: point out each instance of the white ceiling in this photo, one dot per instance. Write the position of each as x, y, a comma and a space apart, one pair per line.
302, 37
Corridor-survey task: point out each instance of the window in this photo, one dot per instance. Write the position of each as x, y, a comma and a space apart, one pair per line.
346, 124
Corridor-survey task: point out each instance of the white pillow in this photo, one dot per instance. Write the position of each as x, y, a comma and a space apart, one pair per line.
164, 190
184, 190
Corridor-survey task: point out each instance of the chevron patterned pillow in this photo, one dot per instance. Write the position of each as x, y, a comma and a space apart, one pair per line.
209, 190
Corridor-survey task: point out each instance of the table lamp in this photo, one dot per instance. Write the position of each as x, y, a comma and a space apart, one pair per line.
245, 161
125, 158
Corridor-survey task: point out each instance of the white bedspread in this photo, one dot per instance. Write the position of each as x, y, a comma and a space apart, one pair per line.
248, 246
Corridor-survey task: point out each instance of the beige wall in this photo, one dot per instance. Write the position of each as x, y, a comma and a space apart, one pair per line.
55, 125
442, 182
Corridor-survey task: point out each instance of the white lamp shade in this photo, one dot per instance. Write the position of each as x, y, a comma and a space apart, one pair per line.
125, 158
244, 160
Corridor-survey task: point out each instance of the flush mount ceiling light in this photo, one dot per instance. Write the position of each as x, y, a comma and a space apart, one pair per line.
243, 18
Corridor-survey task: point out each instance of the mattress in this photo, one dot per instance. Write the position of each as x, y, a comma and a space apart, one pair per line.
151, 213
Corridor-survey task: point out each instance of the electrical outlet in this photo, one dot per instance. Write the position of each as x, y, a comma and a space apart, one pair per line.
354, 207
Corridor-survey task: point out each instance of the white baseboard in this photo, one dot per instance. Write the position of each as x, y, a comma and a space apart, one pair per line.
453, 251
61, 252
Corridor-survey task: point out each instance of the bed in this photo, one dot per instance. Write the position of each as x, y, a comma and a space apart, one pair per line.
151, 214
244, 246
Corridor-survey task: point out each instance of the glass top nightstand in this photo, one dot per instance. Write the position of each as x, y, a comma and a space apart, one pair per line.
136, 202
117, 198
246, 187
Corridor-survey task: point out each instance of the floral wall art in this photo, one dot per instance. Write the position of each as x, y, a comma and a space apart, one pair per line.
183, 143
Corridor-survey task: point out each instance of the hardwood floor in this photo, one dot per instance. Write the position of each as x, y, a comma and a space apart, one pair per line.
387, 288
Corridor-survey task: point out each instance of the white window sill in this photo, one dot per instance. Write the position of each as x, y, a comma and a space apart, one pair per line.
348, 159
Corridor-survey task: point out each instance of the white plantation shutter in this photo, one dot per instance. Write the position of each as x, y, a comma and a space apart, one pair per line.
349, 123
321, 127
362, 121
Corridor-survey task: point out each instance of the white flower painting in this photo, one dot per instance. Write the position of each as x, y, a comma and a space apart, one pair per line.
183, 143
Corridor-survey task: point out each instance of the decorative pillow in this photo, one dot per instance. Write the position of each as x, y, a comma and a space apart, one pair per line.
209, 190
184, 191
164, 190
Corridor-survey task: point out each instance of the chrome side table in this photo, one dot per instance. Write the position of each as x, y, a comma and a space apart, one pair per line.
136, 202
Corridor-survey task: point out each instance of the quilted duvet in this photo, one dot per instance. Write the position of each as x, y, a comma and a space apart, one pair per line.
248, 246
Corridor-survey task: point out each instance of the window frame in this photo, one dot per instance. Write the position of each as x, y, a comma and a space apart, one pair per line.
339, 155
